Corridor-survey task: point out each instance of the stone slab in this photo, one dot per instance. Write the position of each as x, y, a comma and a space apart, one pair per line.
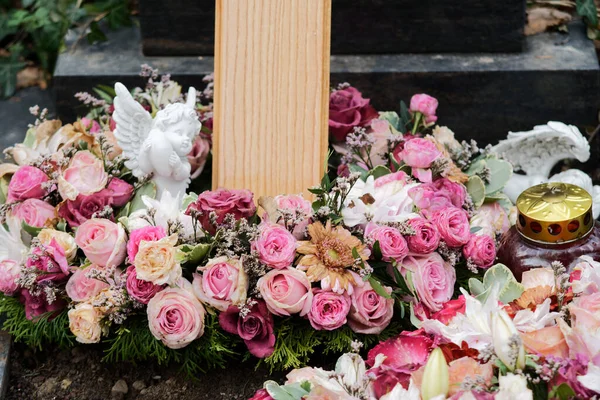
482, 96
5, 344
15, 116
186, 27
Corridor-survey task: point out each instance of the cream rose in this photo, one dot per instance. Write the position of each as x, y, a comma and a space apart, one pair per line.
64, 240
155, 261
84, 323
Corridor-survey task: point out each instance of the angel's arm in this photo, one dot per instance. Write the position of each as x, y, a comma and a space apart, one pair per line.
144, 162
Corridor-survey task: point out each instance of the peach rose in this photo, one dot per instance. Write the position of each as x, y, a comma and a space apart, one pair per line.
85, 175
81, 288
155, 261
63, 239
465, 367
548, 341
102, 241
84, 323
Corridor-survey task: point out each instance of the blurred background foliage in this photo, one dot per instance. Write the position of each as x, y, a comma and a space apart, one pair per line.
32, 34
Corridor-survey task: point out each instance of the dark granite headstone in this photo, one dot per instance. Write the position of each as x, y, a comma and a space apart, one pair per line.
186, 27
482, 96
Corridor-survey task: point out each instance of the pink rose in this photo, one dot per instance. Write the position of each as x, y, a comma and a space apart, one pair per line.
27, 183
261, 394
453, 225
198, 155
77, 211
347, 110
175, 317
142, 291
370, 313
433, 279
276, 246
391, 242
239, 203
223, 283
103, 242
81, 288
91, 125
480, 250
9, 272
37, 305
437, 195
256, 328
148, 233
50, 260
424, 104
35, 212
286, 291
120, 192
426, 238
85, 175
329, 310
419, 153
300, 207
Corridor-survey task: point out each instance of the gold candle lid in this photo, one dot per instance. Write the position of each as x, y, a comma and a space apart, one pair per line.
554, 213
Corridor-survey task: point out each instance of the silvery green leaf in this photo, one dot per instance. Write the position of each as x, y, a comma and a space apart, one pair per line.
379, 171
149, 189
188, 199
476, 189
500, 173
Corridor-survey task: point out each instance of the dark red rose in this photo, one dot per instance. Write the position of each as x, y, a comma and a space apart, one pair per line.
120, 191
240, 203
347, 110
36, 306
77, 211
256, 328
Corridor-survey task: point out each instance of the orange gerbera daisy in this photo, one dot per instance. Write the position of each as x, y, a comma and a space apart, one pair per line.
328, 254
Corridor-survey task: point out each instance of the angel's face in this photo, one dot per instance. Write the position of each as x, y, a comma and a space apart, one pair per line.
180, 136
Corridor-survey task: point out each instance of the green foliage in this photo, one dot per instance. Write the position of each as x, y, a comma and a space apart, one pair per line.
297, 340
134, 343
587, 10
562, 392
45, 330
34, 31
498, 278
476, 189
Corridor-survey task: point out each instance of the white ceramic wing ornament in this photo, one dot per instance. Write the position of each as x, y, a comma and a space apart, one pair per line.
536, 152
157, 146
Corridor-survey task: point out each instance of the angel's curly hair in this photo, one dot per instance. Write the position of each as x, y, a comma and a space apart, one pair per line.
175, 113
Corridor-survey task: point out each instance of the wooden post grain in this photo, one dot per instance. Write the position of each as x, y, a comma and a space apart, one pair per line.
271, 94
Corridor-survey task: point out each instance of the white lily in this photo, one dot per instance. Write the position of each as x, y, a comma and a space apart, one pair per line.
399, 393
529, 321
385, 203
167, 210
507, 344
436, 376
473, 327
11, 243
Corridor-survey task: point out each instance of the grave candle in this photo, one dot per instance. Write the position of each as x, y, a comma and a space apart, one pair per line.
271, 94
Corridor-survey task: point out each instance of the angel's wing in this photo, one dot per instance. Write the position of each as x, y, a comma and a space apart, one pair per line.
535, 152
133, 125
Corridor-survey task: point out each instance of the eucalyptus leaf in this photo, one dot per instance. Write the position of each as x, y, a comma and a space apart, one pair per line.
476, 287
4, 181
391, 117
278, 392
500, 277
363, 172
194, 254
29, 138
476, 167
587, 10
500, 173
188, 199
149, 189
476, 189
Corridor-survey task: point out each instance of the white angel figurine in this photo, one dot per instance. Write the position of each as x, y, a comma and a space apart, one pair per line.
157, 146
536, 152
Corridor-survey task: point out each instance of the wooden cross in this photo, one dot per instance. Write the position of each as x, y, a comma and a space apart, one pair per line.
271, 94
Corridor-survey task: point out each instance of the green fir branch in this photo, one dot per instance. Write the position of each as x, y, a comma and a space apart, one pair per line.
45, 329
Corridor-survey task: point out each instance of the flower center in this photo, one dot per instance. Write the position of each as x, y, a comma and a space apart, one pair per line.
334, 254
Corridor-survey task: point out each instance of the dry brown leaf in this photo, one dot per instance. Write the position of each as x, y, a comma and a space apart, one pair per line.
31, 76
541, 18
